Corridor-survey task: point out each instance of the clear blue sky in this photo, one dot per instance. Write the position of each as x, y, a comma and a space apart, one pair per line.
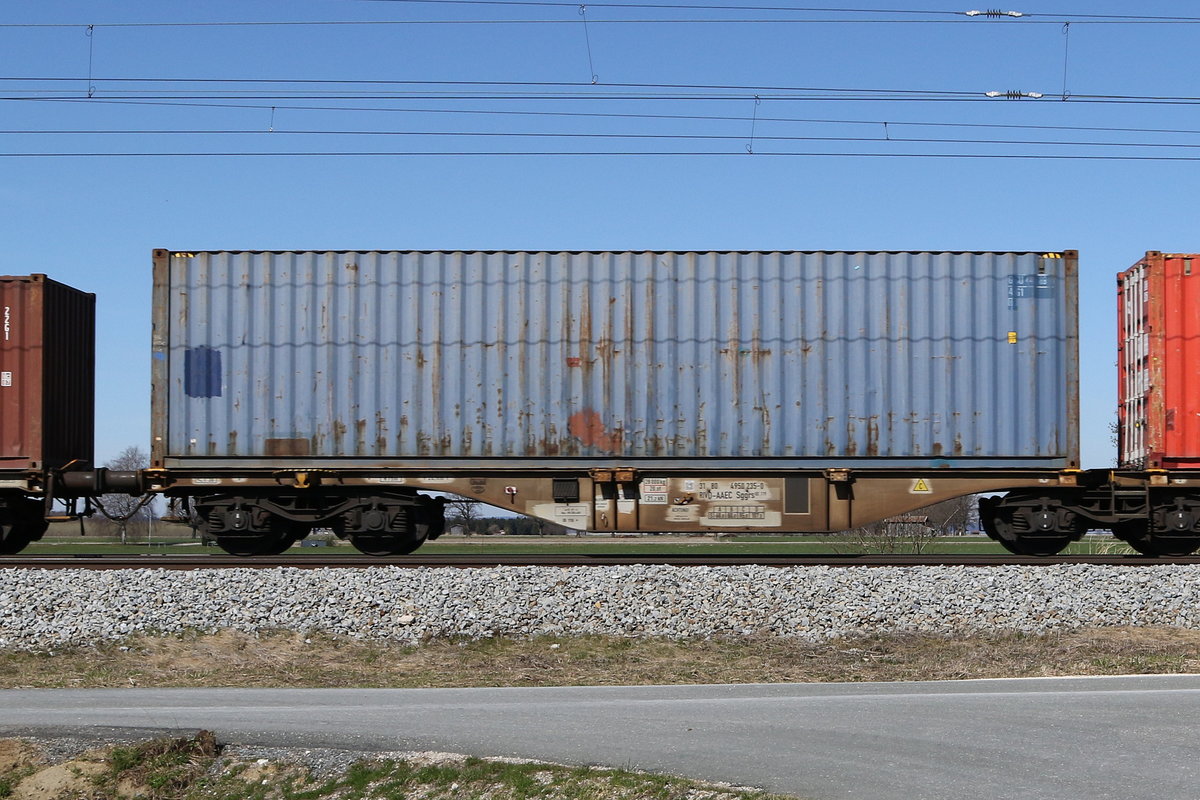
92, 221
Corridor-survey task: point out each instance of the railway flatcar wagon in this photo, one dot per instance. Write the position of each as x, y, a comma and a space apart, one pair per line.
619, 391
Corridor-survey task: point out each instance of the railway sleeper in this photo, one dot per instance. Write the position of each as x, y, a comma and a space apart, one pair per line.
393, 523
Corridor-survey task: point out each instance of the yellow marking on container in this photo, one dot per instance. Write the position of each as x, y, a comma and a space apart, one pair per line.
921, 486
1012, 337
1052, 255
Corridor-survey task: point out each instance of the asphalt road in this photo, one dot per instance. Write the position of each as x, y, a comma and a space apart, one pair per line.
1094, 738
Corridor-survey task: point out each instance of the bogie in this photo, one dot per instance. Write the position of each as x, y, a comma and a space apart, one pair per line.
242, 528
1171, 529
392, 527
1032, 525
1153, 521
395, 523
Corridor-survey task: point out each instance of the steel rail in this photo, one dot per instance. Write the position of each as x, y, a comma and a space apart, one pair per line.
164, 561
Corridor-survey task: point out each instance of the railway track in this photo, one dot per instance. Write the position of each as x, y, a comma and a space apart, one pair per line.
164, 561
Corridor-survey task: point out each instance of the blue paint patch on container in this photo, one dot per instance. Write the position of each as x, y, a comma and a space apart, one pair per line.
202, 372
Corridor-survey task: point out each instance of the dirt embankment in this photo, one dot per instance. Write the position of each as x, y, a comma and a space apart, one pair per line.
201, 768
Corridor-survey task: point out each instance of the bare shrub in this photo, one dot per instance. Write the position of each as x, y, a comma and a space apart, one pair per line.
911, 533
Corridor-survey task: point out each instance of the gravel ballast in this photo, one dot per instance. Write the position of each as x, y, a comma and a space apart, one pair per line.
50, 608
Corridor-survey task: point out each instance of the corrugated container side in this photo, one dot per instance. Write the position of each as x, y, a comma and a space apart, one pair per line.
47, 373
1159, 362
537, 358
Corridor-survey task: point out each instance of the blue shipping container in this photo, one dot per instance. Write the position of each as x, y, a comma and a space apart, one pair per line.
742, 359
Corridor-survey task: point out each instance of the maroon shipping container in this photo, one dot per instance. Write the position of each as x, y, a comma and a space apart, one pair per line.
47, 373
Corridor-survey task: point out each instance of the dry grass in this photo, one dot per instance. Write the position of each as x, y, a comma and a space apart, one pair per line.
287, 659
158, 768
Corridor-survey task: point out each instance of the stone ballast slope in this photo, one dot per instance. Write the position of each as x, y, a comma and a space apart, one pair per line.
49, 608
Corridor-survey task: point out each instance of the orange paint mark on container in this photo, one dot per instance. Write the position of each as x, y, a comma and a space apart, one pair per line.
588, 427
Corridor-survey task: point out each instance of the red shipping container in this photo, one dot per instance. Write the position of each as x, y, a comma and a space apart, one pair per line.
47, 373
1158, 414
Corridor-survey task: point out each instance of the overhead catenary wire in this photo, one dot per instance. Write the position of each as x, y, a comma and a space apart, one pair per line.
894, 16
797, 9
687, 6
489, 83
886, 138
587, 89
512, 21
284, 93
596, 20
622, 153
277, 99
626, 115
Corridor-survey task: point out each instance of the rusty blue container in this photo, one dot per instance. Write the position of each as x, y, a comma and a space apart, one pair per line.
776, 360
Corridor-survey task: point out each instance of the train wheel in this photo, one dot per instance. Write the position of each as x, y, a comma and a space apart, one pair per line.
279, 546
999, 522
13, 540
1036, 545
261, 545
374, 544
1161, 546
20, 524
1138, 536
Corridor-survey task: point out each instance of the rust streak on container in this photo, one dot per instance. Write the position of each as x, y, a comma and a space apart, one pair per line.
873, 435
380, 434
338, 428
360, 437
